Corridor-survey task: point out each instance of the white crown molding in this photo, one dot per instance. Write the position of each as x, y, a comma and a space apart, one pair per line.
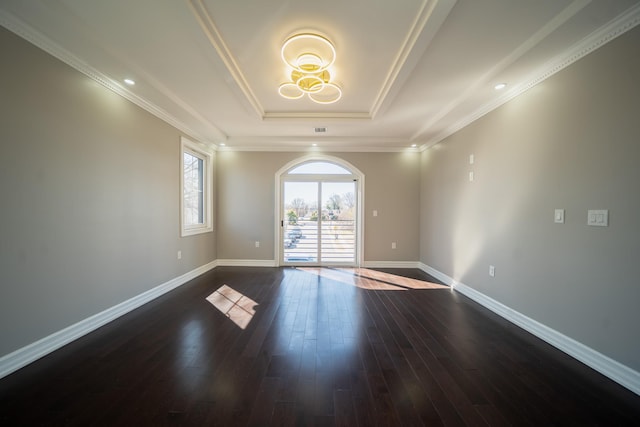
432, 12
608, 367
201, 14
34, 351
324, 143
613, 29
483, 80
316, 115
416, 34
407, 45
595, 40
15, 25
319, 149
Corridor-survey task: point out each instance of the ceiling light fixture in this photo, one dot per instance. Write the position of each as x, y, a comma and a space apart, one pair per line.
129, 82
309, 57
500, 86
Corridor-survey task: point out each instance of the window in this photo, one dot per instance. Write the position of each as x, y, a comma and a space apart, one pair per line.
195, 188
326, 168
318, 212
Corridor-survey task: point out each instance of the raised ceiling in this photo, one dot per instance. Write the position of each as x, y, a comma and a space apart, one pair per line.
412, 71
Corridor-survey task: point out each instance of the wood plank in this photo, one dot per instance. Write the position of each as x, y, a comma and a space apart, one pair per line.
324, 347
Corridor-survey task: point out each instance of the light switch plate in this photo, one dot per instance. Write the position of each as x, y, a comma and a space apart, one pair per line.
598, 217
559, 216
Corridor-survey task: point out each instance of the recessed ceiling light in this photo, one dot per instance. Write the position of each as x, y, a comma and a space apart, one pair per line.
129, 82
314, 145
500, 86
222, 144
414, 145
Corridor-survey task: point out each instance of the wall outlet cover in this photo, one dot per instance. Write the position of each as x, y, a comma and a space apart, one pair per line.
598, 217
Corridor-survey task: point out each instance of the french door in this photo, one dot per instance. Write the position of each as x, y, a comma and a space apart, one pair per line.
319, 221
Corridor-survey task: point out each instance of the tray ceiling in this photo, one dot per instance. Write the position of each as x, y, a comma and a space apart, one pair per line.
412, 71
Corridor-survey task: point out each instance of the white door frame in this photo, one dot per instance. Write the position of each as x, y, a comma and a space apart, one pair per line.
279, 214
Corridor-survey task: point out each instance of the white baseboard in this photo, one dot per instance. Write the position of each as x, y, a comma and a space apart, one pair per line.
608, 367
246, 263
391, 264
34, 351
438, 275
272, 263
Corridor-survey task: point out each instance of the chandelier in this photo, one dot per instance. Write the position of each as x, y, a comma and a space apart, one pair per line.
309, 57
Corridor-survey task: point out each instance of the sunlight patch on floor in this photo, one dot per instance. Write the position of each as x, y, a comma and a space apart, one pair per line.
365, 278
237, 307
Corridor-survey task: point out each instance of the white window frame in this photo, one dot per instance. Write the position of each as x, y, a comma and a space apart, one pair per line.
202, 152
279, 176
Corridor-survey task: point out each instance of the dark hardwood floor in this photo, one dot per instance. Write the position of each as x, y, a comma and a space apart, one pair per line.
321, 347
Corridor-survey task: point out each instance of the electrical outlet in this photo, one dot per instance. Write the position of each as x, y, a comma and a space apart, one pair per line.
393, 245
257, 244
179, 254
492, 271
598, 218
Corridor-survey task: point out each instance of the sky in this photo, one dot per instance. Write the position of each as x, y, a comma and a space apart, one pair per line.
309, 190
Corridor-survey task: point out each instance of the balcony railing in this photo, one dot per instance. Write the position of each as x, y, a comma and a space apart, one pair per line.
337, 241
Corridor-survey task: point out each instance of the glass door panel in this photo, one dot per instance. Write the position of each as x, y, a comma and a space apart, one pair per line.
337, 223
319, 225
300, 226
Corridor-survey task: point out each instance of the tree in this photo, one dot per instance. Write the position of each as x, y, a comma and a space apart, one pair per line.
299, 206
349, 200
293, 217
334, 202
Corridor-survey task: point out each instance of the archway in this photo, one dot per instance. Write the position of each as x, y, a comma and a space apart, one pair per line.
319, 219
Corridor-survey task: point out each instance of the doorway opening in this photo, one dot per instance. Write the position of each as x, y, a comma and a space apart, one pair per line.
319, 201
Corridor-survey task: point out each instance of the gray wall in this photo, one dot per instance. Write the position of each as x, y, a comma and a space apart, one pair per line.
246, 200
571, 142
89, 200
89, 194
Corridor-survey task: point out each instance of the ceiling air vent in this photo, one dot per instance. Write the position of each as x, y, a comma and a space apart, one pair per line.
320, 130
